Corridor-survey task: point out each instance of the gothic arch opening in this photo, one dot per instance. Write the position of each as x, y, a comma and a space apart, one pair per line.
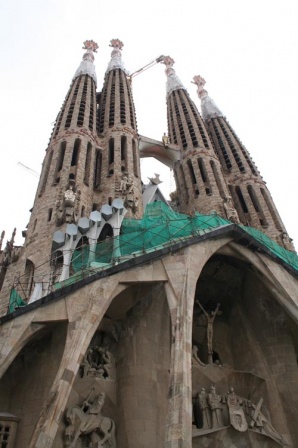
129, 360
40, 358
242, 338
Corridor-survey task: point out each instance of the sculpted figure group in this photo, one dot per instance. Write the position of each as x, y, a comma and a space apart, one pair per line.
98, 362
87, 420
212, 412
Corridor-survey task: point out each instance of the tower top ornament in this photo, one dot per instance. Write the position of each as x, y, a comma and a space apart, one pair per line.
173, 82
116, 55
86, 66
209, 108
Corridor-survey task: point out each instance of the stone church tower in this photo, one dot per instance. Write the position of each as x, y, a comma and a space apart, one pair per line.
125, 323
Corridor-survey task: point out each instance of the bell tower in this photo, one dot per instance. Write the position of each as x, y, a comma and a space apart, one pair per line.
200, 183
248, 190
120, 162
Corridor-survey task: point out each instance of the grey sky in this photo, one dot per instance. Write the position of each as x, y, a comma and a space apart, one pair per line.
246, 50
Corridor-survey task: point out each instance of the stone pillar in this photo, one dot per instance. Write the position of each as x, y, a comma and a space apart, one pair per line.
179, 420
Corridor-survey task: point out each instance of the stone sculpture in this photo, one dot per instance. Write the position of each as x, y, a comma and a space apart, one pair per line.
195, 357
98, 362
87, 420
210, 411
230, 210
210, 320
214, 402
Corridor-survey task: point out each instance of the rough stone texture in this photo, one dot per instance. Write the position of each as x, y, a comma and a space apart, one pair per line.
257, 208
150, 398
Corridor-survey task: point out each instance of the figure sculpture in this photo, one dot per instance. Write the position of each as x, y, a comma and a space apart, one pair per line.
98, 362
230, 210
196, 357
87, 420
210, 320
214, 401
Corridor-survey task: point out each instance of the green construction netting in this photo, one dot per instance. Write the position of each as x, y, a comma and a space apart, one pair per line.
162, 226
15, 301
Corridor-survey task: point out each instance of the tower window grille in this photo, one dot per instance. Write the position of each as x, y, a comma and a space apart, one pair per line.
200, 125
179, 121
97, 169
81, 115
122, 101
232, 147
131, 106
61, 114
188, 119
243, 150
60, 161
87, 164
223, 154
112, 100
92, 107
72, 104
102, 108
111, 156
123, 153
46, 173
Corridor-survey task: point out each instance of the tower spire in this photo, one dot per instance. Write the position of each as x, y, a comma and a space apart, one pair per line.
209, 108
173, 82
248, 190
87, 66
116, 56
198, 176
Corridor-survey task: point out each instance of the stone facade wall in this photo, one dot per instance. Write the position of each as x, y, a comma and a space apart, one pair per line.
27, 382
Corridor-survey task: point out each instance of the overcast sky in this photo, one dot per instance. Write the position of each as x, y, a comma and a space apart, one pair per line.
247, 52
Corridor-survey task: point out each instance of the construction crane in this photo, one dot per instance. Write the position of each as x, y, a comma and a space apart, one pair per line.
141, 70
30, 170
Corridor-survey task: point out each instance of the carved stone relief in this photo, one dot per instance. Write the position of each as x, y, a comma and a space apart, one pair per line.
213, 412
86, 421
98, 362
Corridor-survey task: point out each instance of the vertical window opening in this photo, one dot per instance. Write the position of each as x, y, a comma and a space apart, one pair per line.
112, 99
80, 120
75, 152
241, 199
111, 156
60, 162
98, 168
87, 164
123, 153
193, 177
46, 173
72, 104
28, 280
273, 214
217, 179
135, 158
50, 212
204, 176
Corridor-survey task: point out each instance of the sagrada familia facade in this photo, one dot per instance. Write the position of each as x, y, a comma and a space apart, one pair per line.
130, 322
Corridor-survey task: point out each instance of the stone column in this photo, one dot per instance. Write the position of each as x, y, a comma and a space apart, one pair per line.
181, 298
